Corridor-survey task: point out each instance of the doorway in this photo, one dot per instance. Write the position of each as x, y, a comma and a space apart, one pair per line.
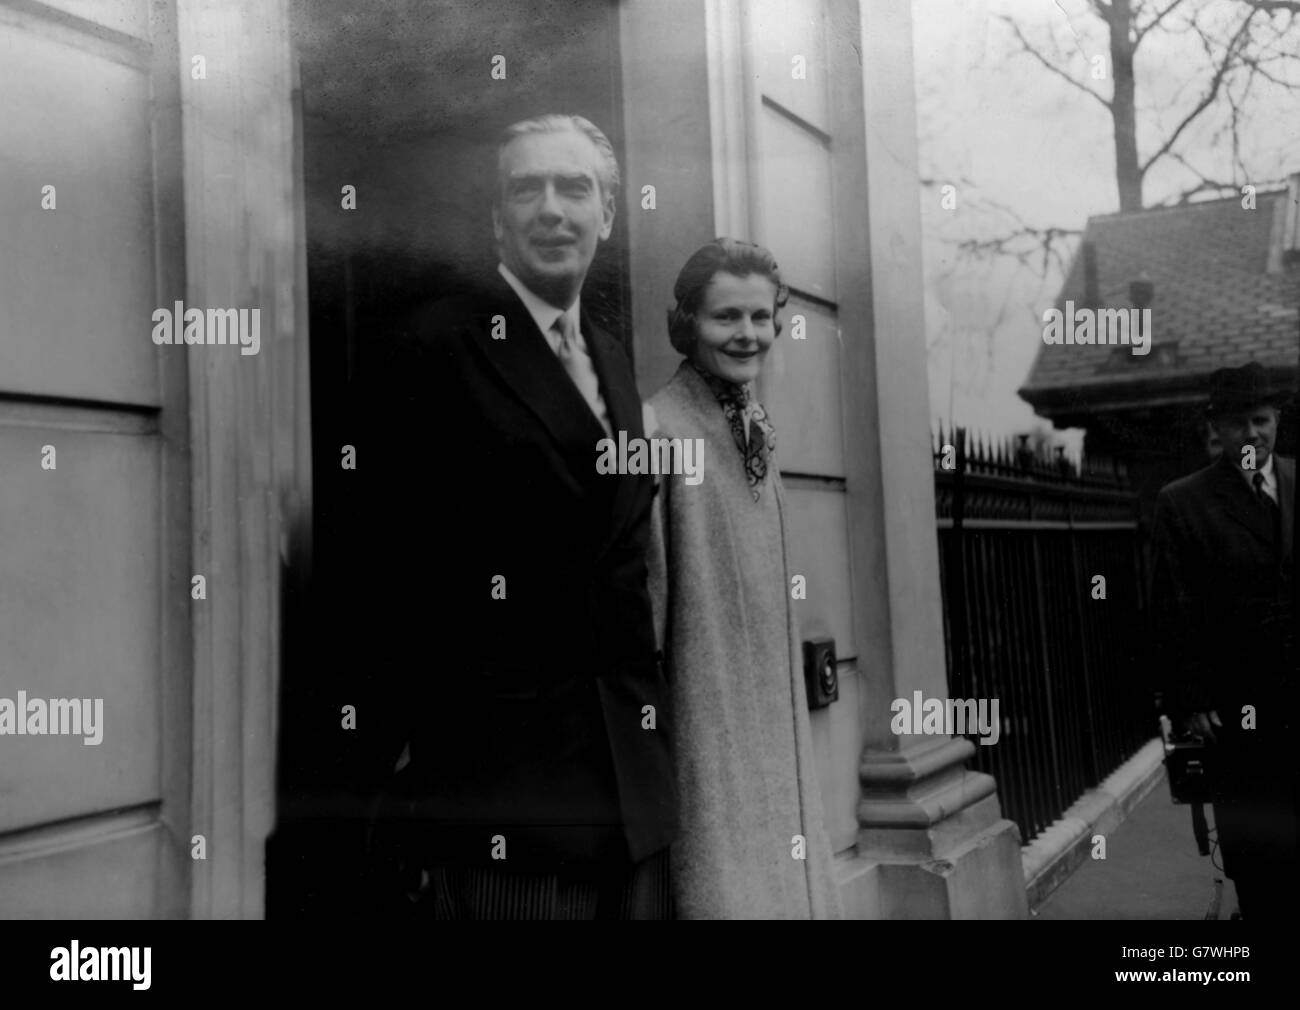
401, 107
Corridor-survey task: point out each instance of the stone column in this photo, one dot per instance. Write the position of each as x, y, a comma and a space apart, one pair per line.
932, 841
249, 417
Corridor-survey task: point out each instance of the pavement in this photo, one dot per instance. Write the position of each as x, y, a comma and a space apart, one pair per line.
1151, 871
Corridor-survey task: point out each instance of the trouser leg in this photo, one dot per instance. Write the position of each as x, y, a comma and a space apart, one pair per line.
610, 892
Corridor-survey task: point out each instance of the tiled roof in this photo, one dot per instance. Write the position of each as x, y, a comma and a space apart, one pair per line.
1215, 304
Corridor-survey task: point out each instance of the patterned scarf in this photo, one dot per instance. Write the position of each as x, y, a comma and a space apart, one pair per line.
754, 434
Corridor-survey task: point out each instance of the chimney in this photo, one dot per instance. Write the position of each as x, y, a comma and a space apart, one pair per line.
1284, 236
1141, 291
1091, 295
1291, 220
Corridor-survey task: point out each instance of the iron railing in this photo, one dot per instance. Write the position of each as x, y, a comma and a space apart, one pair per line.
1021, 537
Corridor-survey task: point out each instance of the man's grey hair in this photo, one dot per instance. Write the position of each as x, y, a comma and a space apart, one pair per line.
554, 123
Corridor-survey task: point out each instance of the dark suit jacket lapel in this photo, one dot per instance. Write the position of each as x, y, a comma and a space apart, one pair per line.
1239, 503
624, 406
616, 385
1286, 497
528, 365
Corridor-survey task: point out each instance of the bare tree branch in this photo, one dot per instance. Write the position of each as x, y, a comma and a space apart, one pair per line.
930, 182
1272, 6
1023, 244
1185, 197
1025, 45
1207, 99
1204, 185
1140, 31
1257, 70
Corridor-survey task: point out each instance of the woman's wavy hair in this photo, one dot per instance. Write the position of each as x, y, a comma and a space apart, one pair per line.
722, 255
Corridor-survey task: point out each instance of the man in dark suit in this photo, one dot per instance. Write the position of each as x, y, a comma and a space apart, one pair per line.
538, 780
1223, 596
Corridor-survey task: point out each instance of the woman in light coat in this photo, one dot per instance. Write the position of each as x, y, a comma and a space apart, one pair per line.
752, 842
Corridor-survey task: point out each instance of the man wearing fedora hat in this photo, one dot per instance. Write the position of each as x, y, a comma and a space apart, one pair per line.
1223, 600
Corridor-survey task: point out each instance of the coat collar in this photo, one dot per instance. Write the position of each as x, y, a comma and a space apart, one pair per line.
623, 403
1286, 498
616, 382
1238, 501
701, 395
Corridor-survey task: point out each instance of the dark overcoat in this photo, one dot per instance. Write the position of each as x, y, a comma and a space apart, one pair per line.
1222, 596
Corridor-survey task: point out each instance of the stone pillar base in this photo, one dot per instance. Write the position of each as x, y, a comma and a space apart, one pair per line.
933, 843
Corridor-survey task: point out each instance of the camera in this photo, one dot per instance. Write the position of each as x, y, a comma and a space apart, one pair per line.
1187, 764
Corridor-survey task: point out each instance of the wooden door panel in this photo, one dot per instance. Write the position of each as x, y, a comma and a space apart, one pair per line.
128, 16
791, 129
782, 30
91, 107
76, 281
806, 442
79, 616
107, 872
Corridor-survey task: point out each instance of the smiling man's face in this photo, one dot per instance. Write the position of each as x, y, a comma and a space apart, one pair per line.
551, 212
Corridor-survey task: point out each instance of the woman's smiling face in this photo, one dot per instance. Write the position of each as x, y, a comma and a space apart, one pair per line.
735, 326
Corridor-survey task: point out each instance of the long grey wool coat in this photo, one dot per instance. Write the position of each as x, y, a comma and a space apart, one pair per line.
720, 586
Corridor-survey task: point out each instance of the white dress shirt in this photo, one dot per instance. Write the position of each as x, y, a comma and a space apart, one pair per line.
1270, 478
545, 315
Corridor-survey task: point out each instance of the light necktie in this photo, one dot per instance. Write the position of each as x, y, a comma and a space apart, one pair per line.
578, 364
